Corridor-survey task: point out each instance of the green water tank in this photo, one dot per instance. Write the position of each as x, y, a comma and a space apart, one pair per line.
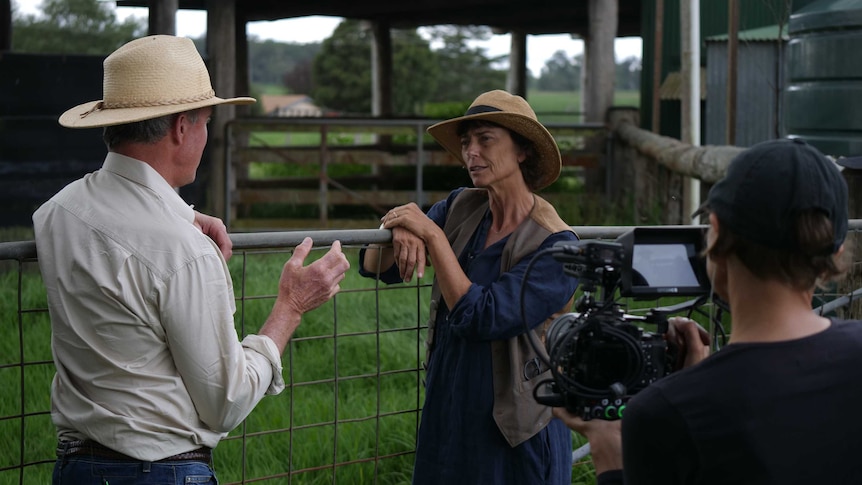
823, 98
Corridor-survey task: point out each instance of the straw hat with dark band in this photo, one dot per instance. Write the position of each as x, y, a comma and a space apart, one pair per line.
514, 113
148, 78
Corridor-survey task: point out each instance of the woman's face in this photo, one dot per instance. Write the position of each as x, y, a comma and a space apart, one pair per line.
491, 156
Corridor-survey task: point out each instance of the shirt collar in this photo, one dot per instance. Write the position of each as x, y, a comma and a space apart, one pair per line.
143, 174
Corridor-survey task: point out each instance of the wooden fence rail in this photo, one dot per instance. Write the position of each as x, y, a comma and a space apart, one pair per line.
396, 153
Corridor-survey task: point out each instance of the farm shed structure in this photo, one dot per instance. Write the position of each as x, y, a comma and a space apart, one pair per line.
760, 74
657, 22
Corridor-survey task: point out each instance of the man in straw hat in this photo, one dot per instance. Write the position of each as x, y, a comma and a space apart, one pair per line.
150, 373
778, 404
480, 421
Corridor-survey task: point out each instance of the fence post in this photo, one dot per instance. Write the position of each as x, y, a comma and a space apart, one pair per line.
652, 192
854, 239
323, 175
624, 166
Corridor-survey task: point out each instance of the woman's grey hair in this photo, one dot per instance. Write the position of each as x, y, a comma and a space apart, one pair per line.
146, 131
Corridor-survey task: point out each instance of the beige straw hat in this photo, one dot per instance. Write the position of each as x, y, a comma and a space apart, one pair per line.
148, 78
514, 113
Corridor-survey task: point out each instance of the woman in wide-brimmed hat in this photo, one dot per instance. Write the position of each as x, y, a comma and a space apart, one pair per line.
480, 422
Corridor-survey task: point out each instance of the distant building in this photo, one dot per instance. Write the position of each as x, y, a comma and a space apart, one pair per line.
290, 105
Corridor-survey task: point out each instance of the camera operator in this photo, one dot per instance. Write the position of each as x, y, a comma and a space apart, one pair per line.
778, 404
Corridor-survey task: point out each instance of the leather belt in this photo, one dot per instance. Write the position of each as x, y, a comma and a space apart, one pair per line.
95, 449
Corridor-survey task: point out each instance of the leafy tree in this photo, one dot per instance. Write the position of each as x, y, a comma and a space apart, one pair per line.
342, 71
414, 72
561, 73
628, 74
270, 60
298, 80
465, 70
73, 27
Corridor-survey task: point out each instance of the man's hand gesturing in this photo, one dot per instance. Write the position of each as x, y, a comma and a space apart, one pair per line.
303, 288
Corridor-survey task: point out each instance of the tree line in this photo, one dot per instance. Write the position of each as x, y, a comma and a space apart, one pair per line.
563, 73
335, 73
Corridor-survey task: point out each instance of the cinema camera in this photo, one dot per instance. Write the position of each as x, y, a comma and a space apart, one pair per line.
599, 356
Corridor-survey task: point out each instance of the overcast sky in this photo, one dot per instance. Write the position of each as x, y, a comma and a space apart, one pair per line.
540, 48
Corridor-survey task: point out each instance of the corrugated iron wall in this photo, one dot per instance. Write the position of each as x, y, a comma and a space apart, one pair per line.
759, 82
714, 20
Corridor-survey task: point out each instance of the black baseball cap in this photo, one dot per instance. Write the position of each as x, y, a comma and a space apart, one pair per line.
769, 184
850, 162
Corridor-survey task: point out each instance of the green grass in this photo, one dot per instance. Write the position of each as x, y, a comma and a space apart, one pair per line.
17, 233
339, 366
262, 88
565, 106
353, 392
576, 203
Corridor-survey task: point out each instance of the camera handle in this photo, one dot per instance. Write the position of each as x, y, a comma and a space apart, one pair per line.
659, 317
551, 397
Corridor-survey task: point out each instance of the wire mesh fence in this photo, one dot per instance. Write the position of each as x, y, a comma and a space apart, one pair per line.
353, 370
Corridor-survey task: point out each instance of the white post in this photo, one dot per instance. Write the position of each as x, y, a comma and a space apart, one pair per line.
690, 17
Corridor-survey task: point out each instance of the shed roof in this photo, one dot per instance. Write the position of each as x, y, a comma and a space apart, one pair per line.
767, 33
671, 88
271, 102
531, 17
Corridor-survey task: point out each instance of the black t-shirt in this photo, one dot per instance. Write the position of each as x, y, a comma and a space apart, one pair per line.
753, 413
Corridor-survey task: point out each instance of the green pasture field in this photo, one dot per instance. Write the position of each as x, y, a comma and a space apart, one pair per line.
565, 106
550, 106
575, 205
354, 397
352, 364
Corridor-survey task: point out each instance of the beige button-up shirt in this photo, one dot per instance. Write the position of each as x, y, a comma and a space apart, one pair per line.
141, 304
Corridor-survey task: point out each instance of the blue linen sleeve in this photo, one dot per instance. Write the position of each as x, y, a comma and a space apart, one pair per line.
494, 312
388, 275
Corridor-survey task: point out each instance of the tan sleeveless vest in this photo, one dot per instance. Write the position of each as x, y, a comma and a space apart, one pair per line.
516, 412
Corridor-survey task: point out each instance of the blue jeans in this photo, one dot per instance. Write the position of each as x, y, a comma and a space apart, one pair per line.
86, 470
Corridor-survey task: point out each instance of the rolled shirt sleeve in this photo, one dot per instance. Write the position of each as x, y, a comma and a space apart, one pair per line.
225, 378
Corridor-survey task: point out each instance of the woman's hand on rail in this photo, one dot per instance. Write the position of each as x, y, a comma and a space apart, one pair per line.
409, 251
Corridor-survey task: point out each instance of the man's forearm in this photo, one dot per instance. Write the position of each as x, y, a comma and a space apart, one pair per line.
282, 322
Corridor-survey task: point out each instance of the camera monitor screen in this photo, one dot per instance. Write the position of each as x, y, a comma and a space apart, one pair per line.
663, 261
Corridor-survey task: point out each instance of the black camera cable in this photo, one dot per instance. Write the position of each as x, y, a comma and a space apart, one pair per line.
552, 361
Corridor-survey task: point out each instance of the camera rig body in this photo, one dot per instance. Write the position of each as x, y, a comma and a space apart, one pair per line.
600, 356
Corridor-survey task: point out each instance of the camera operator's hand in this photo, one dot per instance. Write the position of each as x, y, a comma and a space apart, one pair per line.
690, 339
606, 442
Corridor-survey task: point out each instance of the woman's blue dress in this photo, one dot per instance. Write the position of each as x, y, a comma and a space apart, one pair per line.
458, 440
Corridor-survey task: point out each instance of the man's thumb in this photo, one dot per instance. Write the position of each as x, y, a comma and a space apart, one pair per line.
301, 251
